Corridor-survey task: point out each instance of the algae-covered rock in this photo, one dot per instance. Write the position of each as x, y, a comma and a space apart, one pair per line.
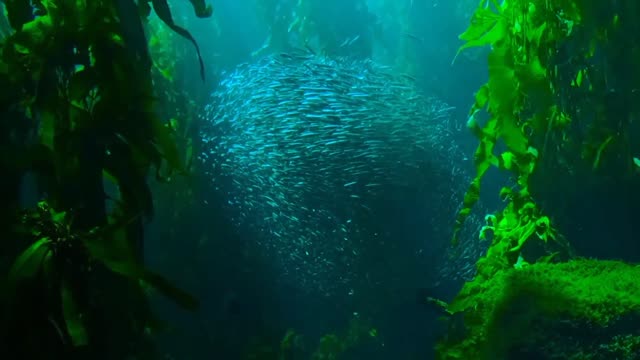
581, 309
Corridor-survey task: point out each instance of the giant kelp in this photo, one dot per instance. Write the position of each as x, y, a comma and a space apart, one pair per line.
546, 96
79, 112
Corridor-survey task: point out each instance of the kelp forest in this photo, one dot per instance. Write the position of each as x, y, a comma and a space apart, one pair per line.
106, 153
560, 105
80, 115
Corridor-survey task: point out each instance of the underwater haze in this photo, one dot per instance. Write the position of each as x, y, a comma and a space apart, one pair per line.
319, 179
334, 159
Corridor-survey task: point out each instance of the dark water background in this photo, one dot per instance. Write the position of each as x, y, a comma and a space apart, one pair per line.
242, 299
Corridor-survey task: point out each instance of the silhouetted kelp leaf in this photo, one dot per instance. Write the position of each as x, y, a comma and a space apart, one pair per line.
37, 159
115, 252
144, 8
131, 28
166, 145
80, 85
110, 244
201, 8
8, 95
134, 271
124, 165
72, 316
164, 13
163, 286
19, 12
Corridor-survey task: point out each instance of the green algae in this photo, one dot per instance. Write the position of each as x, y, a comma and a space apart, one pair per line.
499, 312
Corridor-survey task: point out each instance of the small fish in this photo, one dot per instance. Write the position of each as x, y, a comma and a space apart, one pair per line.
414, 37
349, 41
302, 148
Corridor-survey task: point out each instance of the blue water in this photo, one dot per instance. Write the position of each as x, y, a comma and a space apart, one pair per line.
244, 299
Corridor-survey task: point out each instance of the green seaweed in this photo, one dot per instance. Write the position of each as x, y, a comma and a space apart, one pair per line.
81, 80
499, 311
529, 118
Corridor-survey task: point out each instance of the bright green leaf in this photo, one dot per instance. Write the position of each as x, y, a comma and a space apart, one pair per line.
486, 28
29, 262
164, 13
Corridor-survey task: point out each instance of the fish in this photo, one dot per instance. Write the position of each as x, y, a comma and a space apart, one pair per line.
349, 41
414, 37
302, 145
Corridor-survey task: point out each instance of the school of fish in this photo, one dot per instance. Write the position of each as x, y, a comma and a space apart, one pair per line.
305, 147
